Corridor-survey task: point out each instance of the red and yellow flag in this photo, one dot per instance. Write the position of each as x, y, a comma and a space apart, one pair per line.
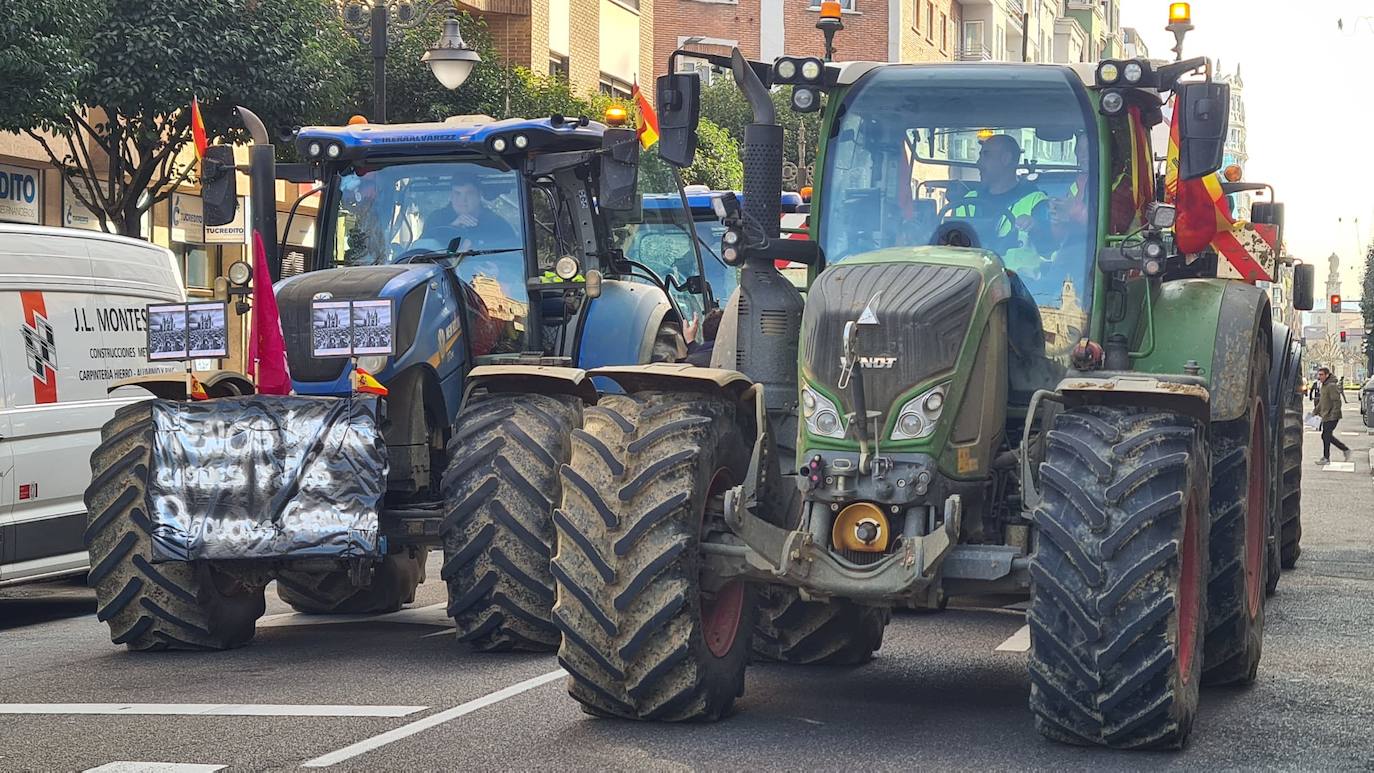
648, 119
198, 389
366, 383
198, 137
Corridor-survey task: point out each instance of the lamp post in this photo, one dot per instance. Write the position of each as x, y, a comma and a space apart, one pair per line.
381, 22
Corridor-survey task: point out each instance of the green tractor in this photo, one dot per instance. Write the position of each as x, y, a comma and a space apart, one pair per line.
1002, 381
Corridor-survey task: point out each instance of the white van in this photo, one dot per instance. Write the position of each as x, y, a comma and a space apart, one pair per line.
73, 309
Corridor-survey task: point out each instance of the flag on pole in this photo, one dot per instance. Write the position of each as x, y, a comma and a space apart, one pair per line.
266, 346
1197, 219
366, 383
648, 119
198, 137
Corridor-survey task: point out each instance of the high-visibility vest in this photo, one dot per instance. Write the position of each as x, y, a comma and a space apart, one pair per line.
1022, 207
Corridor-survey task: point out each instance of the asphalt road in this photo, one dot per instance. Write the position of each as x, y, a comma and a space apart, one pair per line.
398, 693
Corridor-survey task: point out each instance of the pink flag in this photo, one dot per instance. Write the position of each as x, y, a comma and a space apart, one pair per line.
266, 347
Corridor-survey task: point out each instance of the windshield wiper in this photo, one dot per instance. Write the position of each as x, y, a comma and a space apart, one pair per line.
435, 255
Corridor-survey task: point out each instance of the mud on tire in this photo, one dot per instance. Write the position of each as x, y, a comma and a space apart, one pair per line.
173, 605
333, 593
837, 633
643, 637
500, 489
1117, 610
1290, 506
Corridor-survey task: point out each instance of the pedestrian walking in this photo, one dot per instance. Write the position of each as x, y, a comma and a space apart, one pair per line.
1328, 409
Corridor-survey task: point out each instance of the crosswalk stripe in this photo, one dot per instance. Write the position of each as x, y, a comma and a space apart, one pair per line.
434, 614
1017, 642
127, 766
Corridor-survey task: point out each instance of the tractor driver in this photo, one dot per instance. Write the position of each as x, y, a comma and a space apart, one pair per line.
467, 217
1001, 191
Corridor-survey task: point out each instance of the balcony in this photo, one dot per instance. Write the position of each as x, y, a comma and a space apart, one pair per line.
973, 54
1015, 8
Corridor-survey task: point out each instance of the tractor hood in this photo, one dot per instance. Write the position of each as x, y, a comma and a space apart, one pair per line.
295, 294
915, 307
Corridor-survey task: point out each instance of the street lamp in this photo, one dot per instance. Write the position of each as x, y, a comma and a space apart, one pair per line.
450, 59
381, 22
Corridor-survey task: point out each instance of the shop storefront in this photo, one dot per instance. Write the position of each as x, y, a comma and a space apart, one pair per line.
21, 194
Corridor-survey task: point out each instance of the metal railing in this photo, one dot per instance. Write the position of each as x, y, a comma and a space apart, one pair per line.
973, 54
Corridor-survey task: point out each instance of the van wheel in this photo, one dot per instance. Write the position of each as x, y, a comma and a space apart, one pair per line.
333, 593
169, 605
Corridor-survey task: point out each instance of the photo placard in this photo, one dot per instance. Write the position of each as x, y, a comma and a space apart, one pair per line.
352, 328
187, 331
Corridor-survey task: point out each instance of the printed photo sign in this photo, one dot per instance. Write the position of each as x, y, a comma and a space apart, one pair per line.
187, 331
352, 328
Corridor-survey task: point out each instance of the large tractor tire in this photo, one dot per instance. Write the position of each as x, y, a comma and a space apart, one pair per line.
814, 633
163, 606
1290, 512
1117, 607
500, 489
333, 593
645, 634
1242, 466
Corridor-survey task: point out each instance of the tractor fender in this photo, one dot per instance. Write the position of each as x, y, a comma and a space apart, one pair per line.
622, 324
1184, 394
1243, 315
172, 386
537, 379
676, 376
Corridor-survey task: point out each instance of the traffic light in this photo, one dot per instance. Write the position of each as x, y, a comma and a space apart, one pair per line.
1342, 336
1335, 304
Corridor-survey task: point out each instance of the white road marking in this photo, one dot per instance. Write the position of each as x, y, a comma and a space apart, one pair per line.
1352, 434
1019, 605
1017, 642
1339, 467
211, 709
433, 720
154, 767
434, 614
449, 632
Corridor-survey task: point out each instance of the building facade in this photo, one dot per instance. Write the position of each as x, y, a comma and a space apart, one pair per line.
598, 45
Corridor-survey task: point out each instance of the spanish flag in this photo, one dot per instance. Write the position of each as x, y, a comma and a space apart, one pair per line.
366, 383
1198, 218
648, 119
198, 390
198, 137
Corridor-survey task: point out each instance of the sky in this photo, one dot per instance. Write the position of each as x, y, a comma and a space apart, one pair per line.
1309, 110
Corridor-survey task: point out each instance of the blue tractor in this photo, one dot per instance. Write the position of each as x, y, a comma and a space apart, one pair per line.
499, 245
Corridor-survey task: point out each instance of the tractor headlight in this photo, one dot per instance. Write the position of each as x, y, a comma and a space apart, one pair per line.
920, 415
499, 144
786, 69
313, 149
811, 69
566, 268
1107, 73
521, 142
804, 100
333, 151
1133, 72
1113, 102
821, 414
373, 363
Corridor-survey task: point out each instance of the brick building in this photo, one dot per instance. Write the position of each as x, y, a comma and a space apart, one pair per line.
598, 45
886, 30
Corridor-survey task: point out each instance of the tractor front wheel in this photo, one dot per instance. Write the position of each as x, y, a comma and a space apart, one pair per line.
333, 593
835, 633
1117, 579
646, 635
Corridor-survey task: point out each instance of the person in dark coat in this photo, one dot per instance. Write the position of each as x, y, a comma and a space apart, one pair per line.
1329, 402
701, 338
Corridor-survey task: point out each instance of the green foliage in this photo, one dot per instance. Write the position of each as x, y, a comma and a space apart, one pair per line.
724, 104
41, 61
1367, 307
139, 65
717, 165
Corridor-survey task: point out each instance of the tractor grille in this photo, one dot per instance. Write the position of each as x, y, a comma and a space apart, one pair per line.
923, 315
293, 301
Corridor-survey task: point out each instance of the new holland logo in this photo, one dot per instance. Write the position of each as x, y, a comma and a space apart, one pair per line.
872, 363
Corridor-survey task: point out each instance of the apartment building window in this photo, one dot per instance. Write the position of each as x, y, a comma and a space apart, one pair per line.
944, 32
915, 15
930, 21
558, 66
612, 86
845, 5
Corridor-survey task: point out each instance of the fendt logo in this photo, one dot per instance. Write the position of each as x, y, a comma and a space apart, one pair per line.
872, 363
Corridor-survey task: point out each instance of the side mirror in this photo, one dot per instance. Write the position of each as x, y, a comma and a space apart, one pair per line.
1304, 283
219, 185
1202, 127
679, 110
696, 285
1270, 213
619, 170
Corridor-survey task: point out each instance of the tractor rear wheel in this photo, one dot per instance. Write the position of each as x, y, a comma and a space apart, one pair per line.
646, 635
1117, 609
1290, 513
163, 606
333, 593
1240, 511
835, 633
500, 489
